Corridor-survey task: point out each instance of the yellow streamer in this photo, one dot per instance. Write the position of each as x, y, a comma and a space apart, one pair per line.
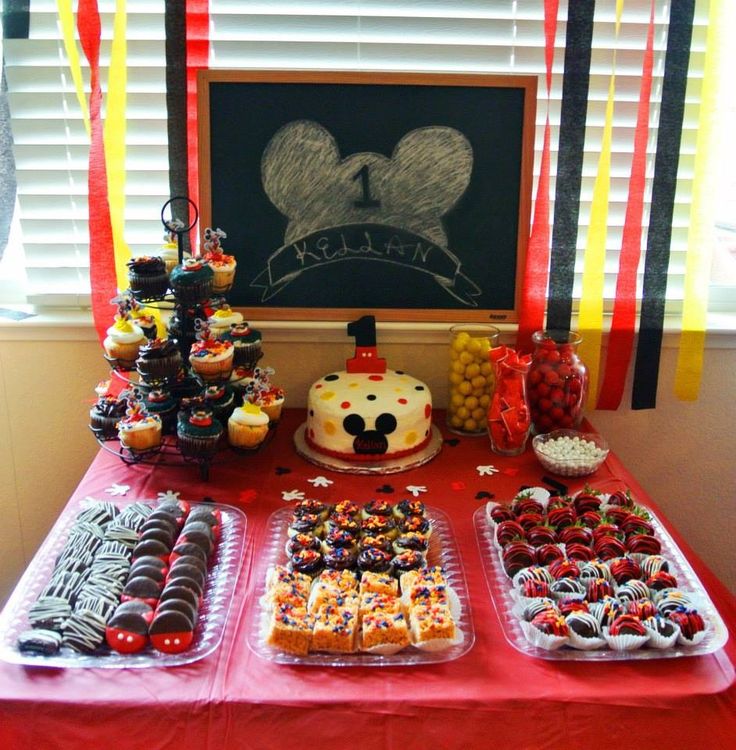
591, 301
114, 136
68, 28
702, 216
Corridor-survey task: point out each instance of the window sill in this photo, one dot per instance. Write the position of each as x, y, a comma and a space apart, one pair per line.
76, 325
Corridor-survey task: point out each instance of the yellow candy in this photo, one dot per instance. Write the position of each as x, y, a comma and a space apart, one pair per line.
458, 367
471, 402
465, 388
466, 358
456, 422
478, 414
472, 371
457, 399
478, 382
470, 425
456, 378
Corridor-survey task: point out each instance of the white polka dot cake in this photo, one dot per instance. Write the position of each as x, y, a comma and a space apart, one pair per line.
368, 412
368, 417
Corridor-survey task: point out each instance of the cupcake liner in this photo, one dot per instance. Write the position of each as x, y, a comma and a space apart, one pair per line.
624, 642
212, 371
694, 641
247, 355
193, 293
197, 447
657, 640
585, 644
273, 411
541, 640
246, 436
223, 280
159, 369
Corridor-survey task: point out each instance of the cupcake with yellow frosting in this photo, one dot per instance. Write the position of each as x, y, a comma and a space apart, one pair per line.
221, 320
223, 265
247, 426
123, 342
169, 251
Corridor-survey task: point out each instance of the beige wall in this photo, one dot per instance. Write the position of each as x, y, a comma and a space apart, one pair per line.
682, 453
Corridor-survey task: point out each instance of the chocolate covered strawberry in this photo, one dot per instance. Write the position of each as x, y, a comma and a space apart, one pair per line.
517, 555
507, 531
541, 534
548, 553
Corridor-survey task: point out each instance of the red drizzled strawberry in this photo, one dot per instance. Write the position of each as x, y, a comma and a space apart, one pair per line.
507, 531
590, 518
690, 622
501, 513
645, 544
528, 520
661, 580
525, 504
580, 552
624, 569
576, 534
564, 569
548, 553
587, 501
607, 529
541, 534
568, 606
642, 608
617, 515
534, 588
516, 556
561, 517
608, 547
634, 524
622, 498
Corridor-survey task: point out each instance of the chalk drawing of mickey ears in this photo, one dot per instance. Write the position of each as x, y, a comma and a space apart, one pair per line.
305, 177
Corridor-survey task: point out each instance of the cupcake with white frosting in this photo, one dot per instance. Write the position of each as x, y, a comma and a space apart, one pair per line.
123, 342
247, 426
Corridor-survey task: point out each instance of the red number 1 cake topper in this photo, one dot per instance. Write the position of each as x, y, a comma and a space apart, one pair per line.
366, 357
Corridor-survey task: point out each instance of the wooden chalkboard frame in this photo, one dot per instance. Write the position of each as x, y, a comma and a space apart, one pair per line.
347, 78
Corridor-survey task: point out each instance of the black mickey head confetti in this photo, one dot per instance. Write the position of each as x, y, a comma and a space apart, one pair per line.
452, 442
483, 495
282, 470
386, 488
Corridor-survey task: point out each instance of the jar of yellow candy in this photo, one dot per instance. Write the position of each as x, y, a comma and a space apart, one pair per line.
470, 378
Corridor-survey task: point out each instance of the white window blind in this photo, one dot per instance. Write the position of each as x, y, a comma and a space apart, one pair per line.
494, 36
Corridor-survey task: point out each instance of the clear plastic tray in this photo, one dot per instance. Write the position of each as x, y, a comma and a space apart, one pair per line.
500, 589
442, 551
221, 580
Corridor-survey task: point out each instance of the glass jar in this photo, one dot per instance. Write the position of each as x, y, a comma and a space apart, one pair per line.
470, 378
509, 416
558, 381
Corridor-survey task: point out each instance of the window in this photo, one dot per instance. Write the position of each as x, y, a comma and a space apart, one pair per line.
51, 144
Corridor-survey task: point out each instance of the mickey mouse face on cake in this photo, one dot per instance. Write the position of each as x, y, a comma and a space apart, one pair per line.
368, 416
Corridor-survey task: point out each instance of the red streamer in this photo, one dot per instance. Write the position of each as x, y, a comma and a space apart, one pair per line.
198, 55
536, 269
621, 338
101, 249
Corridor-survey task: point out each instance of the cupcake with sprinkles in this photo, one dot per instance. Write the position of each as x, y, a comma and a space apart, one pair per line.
211, 359
139, 431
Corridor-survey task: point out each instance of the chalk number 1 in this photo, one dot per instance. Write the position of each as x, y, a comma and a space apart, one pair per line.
366, 201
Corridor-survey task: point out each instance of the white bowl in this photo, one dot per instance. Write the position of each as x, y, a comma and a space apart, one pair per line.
574, 454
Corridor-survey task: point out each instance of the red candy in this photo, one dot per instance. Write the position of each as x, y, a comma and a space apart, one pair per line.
509, 418
557, 381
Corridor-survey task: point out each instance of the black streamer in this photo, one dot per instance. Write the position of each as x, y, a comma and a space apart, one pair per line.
574, 107
651, 321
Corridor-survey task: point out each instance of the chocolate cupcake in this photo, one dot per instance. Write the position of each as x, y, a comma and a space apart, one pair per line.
147, 277
221, 399
340, 558
302, 541
375, 561
198, 436
379, 541
307, 561
192, 282
308, 523
162, 404
159, 359
105, 415
406, 561
246, 343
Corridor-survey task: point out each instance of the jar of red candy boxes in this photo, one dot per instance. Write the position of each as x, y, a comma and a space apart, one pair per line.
509, 419
558, 381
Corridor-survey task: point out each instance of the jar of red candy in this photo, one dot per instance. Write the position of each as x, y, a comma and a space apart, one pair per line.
558, 381
509, 418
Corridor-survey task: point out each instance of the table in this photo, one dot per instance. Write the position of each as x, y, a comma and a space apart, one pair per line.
493, 695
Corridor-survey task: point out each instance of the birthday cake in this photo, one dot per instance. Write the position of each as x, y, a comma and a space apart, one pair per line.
368, 412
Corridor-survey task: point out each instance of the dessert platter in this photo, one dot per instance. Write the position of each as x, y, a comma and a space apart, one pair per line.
139, 584
594, 576
368, 419
371, 584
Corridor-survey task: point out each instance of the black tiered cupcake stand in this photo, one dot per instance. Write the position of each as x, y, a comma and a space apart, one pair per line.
186, 384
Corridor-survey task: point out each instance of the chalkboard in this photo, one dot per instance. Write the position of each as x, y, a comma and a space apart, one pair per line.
406, 195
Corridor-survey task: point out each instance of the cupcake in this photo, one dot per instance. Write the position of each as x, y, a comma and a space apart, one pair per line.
221, 264
191, 281
105, 415
221, 399
247, 344
158, 359
221, 320
123, 342
169, 251
139, 431
162, 404
211, 359
247, 426
198, 435
147, 277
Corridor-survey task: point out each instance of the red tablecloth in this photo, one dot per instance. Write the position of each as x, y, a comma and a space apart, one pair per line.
491, 696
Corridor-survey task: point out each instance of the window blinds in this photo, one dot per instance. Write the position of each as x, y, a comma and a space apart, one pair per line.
52, 145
